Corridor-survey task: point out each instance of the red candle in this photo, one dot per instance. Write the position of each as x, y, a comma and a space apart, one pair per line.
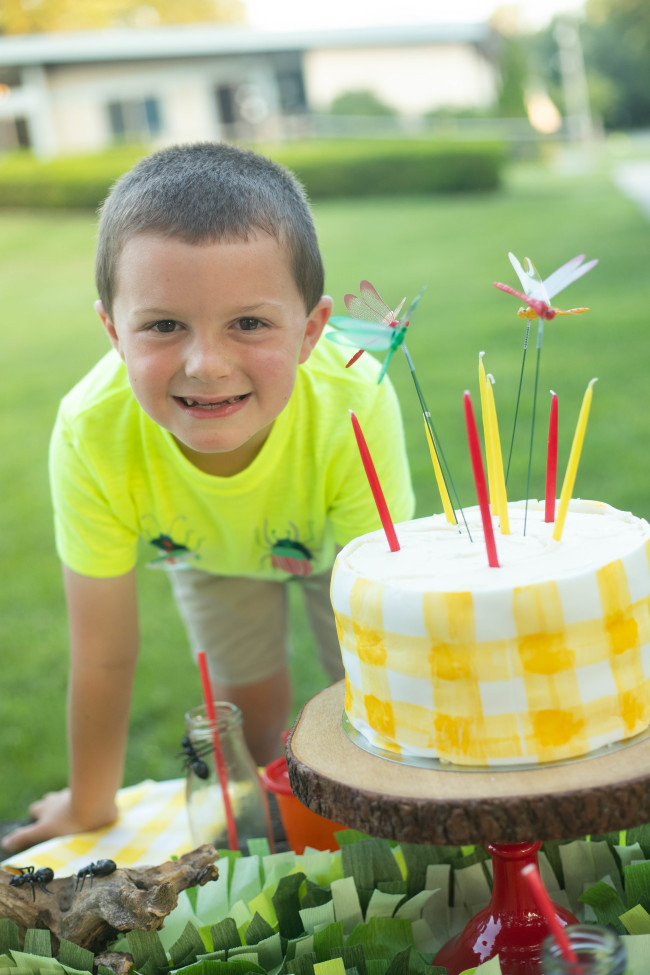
375, 486
479, 481
551, 462
218, 751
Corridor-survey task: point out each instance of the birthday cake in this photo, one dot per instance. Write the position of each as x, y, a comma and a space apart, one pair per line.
543, 658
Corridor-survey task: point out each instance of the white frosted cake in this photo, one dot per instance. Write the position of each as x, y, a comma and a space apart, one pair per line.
545, 658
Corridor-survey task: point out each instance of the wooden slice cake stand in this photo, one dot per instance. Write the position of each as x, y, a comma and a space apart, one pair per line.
510, 811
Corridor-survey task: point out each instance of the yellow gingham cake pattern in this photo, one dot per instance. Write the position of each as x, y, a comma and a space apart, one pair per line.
544, 672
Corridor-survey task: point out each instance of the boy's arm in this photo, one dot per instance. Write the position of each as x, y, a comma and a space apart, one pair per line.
104, 638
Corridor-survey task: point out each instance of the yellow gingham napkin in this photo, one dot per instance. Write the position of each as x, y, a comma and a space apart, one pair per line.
151, 827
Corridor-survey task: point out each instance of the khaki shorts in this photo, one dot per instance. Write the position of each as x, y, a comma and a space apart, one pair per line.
242, 624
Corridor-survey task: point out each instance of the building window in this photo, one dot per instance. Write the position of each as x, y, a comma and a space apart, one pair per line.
226, 103
22, 133
241, 104
131, 121
293, 99
10, 77
14, 134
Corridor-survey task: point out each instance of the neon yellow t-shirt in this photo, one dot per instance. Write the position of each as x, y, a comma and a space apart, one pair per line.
117, 478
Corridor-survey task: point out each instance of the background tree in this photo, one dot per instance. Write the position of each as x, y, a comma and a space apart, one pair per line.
616, 42
360, 103
615, 38
514, 77
49, 16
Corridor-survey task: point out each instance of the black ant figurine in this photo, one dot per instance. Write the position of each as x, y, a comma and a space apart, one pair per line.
100, 868
193, 756
29, 875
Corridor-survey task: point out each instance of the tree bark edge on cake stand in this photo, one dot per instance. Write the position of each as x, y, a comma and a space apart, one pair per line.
335, 778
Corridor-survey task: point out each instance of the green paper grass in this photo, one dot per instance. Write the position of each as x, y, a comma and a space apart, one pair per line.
636, 877
74, 957
334, 966
258, 930
224, 935
606, 904
636, 921
327, 939
278, 914
147, 949
36, 963
185, 950
315, 918
302, 964
287, 905
9, 936
38, 942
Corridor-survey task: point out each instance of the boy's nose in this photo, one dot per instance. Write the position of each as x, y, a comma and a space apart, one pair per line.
207, 358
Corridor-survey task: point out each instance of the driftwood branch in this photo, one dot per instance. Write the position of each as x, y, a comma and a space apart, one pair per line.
120, 962
92, 916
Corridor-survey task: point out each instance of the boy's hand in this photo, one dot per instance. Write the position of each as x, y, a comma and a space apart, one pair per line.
54, 816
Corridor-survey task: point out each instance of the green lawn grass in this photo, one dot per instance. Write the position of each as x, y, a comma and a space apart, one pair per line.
456, 246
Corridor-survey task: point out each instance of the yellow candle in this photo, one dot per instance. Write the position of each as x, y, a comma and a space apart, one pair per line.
489, 452
497, 459
440, 481
572, 466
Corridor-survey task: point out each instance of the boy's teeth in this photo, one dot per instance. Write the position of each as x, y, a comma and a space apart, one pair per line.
223, 402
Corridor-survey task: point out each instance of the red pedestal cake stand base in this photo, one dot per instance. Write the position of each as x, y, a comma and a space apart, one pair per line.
510, 812
510, 926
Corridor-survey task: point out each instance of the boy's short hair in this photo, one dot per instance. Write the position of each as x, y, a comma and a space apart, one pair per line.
203, 193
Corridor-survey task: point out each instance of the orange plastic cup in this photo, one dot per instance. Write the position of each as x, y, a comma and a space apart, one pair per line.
302, 827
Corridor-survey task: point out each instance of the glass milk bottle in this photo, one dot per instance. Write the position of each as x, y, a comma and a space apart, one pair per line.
206, 808
599, 951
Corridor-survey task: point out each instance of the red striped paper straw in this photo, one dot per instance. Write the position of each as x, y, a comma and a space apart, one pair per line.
218, 751
547, 910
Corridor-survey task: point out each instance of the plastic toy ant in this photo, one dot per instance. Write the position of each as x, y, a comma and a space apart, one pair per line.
29, 875
193, 756
100, 868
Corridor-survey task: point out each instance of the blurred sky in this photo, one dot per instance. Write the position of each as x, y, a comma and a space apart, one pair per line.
316, 14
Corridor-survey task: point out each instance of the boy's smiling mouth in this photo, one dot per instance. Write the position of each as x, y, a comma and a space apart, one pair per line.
192, 403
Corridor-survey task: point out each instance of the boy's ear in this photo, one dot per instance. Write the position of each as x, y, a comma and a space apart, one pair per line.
108, 325
316, 322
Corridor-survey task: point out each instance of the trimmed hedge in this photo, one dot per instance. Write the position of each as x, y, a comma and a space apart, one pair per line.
326, 168
378, 167
70, 182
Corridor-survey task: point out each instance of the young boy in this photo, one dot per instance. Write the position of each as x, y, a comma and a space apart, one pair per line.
217, 431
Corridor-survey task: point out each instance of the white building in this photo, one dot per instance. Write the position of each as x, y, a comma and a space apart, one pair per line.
82, 92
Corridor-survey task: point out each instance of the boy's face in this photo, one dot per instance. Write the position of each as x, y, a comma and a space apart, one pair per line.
212, 336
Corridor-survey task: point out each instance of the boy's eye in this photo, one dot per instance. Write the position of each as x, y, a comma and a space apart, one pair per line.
249, 324
166, 325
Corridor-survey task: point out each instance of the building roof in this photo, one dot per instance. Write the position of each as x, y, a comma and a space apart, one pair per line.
200, 40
